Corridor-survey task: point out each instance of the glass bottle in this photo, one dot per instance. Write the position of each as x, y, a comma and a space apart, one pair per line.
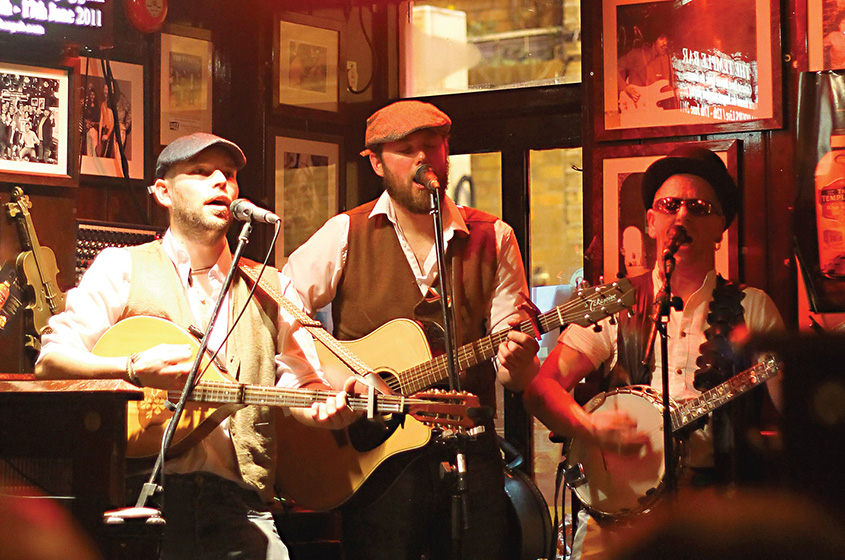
830, 207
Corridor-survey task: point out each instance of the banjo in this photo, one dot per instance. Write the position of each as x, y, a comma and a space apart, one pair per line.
613, 485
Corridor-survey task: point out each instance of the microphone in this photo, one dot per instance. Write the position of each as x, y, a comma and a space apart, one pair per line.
244, 210
425, 176
677, 236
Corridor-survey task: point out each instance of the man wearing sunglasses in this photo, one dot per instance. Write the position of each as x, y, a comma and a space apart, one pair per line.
690, 200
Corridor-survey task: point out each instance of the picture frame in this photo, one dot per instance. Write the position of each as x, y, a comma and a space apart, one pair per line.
185, 82
825, 48
38, 101
306, 62
676, 69
626, 247
307, 176
98, 151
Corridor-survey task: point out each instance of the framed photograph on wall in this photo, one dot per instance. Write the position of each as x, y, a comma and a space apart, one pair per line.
825, 35
306, 61
307, 176
98, 146
185, 82
36, 115
626, 246
672, 68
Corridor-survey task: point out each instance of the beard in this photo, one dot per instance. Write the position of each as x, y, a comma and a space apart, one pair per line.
405, 194
197, 225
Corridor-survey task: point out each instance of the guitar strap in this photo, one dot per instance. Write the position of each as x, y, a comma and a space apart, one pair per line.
313, 326
716, 363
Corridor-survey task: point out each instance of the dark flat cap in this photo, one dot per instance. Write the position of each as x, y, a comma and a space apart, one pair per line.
697, 161
402, 118
186, 147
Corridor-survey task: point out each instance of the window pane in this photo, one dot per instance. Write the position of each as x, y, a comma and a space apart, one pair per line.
476, 180
557, 260
460, 45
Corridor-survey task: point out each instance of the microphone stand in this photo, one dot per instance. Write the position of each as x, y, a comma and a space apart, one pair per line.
460, 517
151, 487
663, 303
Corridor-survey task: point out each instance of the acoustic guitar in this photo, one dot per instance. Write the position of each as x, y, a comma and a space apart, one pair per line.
217, 395
37, 265
398, 351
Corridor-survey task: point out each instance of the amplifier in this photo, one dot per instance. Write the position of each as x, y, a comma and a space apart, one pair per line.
92, 237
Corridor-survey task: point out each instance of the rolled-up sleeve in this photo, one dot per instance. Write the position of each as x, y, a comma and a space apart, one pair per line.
92, 307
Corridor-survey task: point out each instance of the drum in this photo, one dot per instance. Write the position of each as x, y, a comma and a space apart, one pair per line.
613, 484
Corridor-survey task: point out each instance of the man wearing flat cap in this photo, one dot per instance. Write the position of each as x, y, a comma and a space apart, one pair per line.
690, 191
216, 493
377, 263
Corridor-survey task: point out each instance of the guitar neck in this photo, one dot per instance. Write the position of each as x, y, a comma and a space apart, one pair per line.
714, 398
229, 393
589, 306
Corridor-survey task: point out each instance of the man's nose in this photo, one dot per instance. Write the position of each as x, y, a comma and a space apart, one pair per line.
219, 178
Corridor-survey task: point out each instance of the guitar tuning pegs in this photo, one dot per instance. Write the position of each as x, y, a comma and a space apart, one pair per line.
613, 319
597, 327
630, 312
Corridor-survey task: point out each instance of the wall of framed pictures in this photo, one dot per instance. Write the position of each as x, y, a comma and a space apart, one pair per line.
660, 73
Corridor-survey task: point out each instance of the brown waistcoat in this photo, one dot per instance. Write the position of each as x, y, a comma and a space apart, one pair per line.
378, 285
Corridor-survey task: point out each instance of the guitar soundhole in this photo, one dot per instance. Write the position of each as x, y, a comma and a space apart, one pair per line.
392, 381
366, 435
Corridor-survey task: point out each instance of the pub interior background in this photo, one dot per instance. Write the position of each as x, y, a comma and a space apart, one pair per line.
521, 81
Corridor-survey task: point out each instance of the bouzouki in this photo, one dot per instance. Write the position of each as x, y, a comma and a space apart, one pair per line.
217, 395
614, 485
399, 353
37, 265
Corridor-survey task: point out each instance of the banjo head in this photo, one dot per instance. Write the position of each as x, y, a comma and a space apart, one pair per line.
616, 484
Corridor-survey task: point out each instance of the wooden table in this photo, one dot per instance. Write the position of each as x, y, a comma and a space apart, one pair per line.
67, 440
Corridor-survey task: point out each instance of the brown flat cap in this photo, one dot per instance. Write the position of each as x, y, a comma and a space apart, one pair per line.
186, 147
402, 118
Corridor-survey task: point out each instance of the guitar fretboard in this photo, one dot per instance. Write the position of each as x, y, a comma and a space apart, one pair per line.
434, 408
586, 307
228, 393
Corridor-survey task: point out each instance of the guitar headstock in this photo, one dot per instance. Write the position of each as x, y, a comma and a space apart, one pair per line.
595, 303
446, 408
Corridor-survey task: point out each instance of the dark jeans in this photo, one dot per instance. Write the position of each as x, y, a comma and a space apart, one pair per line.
210, 518
413, 517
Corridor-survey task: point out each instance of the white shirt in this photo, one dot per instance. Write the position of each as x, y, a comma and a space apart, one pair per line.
317, 265
99, 300
686, 334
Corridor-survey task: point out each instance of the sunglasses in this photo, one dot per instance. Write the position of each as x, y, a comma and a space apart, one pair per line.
695, 206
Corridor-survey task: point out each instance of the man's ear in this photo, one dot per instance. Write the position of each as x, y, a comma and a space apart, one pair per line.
649, 214
161, 192
378, 167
